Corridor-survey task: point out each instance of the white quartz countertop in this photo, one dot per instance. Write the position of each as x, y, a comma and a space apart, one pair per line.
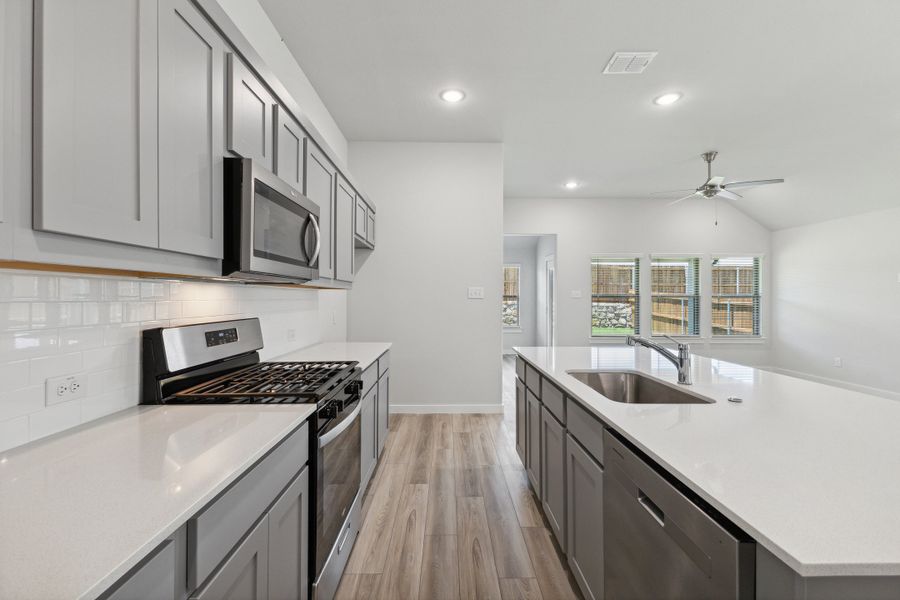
811, 471
365, 353
78, 510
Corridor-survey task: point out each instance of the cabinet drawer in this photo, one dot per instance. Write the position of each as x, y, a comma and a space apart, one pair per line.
554, 399
369, 377
533, 380
384, 363
520, 368
587, 429
215, 530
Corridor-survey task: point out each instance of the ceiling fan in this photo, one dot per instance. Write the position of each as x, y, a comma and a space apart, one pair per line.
715, 186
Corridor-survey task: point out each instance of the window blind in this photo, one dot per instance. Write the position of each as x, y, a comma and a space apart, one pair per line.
510, 308
675, 296
615, 296
736, 296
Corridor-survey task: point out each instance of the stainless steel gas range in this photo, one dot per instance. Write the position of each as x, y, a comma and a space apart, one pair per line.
219, 363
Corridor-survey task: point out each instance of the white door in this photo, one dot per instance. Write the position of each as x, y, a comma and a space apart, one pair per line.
551, 301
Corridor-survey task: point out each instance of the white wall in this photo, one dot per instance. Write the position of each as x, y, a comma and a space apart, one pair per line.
259, 30
586, 227
521, 250
837, 294
53, 325
545, 249
439, 230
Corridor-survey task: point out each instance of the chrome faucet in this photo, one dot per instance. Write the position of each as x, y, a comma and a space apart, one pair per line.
682, 360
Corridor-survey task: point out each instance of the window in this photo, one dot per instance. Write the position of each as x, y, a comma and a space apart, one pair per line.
675, 296
510, 295
735, 296
615, 296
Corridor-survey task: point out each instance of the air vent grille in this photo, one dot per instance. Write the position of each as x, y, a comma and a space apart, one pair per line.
628, 63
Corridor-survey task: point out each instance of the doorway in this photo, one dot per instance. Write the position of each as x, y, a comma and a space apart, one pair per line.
550, 268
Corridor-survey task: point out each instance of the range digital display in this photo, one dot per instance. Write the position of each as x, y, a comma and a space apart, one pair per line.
221, 336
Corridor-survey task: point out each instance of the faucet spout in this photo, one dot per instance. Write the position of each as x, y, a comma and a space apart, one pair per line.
681, 359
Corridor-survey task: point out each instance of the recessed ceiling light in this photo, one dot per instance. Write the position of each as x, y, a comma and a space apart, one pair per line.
667, 99
453, 96
571, 185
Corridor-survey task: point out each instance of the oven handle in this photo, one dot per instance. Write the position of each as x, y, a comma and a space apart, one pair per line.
325, 439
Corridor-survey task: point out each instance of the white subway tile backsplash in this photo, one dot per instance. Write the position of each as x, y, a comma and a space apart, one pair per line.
54, 325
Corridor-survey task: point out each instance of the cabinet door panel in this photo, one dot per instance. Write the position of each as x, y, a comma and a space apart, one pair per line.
370, 228
321, 184
368, 423
191, 131
553, 474
250, 115
343, 236
521, 422
289, 542
361, 220
155, 579
584, 519
384, 409
290, 148
95, 119
245, 574
533, 467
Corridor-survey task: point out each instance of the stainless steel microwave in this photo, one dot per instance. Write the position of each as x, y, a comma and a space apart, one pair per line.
271, 230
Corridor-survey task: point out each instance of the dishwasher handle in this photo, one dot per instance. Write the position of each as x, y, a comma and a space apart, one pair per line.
650, 506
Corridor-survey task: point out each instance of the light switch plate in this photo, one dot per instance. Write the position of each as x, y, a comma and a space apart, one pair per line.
476, 293
837, 362
576, 293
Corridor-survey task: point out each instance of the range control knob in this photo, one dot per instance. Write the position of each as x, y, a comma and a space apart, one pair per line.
328, 412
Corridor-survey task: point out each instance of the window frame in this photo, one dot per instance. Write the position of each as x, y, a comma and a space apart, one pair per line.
637, 259
700, 267
503, 296
759, 296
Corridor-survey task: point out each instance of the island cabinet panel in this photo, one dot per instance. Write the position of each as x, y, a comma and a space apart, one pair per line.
533, 465
553, 474
554, 400
192, 58
584, 519
383, 402
520, 368
521, 422
251, 110
321, 187
289, 542
343, 231
244, 575
369, 425
95, 119
587, 429
290, 149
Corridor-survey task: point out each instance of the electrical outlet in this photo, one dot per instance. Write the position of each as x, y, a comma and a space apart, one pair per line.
476, 293
63, 389
291, 335
837, 362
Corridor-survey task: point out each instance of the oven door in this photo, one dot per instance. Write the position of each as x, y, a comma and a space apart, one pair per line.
338, 476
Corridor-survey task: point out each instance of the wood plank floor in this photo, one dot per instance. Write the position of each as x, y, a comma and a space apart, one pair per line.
449, 515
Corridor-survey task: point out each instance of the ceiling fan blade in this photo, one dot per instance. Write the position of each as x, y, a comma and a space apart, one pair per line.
681, 191
674, 202
714, 181
728, 195
743, 184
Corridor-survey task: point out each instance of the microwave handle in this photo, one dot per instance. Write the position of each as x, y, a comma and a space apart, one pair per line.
315, 255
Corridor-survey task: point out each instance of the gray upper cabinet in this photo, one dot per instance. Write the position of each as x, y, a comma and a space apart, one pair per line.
95, 119
251, 110
343, 231
321, 185
370, 227
364, 224
290, 149
244, 574
553, 474
361, 221
383, 403
584, 519
289, 542
191, 130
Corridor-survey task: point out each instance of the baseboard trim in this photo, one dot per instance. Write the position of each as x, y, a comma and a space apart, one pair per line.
856, 387
428, 409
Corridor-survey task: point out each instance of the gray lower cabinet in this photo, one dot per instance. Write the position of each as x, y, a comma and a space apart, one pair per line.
321, 186
289, 542
251, 110
345, 206
521, 427
192, 58
584, 519
244, 574
533, 464
368, 423
383, 411
553, 474
161, 575
95, 119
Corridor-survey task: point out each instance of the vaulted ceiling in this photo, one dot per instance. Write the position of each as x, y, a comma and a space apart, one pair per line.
807, 90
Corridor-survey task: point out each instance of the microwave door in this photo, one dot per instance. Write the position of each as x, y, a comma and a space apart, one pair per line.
280, 232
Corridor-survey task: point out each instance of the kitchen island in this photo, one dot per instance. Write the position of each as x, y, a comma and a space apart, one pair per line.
807, 470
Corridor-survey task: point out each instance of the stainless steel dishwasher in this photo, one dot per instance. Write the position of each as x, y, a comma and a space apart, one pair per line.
660, 543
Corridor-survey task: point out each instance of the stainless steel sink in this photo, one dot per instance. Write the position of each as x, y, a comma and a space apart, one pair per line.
634, 388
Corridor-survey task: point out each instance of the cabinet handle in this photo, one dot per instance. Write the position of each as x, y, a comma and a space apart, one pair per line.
656, 512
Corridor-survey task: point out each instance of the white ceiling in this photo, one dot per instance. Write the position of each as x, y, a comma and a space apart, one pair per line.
808, 90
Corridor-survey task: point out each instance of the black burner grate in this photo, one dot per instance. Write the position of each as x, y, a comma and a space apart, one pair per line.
272, 380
